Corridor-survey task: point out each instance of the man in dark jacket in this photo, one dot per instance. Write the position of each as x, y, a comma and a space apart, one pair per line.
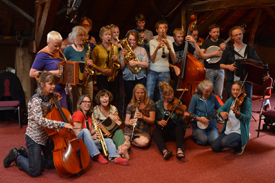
229, 57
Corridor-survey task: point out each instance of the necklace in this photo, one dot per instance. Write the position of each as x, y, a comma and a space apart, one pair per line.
80, 53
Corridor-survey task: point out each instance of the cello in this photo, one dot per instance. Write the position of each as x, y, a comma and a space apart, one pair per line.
70, 154
192, 70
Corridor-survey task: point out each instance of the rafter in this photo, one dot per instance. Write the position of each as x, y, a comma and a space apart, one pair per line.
212, 18
255, 26
270, 12
7, 17
213, 5
17, 10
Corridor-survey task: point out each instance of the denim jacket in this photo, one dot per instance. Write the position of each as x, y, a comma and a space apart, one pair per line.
200, 108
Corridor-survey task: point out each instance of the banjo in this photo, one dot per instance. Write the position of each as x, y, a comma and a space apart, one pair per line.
212, 49
202, 125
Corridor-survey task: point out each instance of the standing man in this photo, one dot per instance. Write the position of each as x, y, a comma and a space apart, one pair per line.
229, 56
179, 45
213, 71
160, 50
145, 34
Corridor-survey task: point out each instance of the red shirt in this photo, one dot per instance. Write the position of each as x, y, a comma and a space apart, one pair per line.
79, 116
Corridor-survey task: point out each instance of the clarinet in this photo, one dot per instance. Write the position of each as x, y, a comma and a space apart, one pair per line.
135, 117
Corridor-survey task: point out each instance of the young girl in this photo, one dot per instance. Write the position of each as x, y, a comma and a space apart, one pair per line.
143, 117
36, 136
85, 130
235, 131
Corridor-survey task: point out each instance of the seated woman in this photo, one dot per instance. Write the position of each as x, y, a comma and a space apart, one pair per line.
105, 109
84, 129
202, 107
235, 131
174, 128
143, 116
36, 137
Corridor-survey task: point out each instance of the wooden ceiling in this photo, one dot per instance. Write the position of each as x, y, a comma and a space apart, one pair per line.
259, 15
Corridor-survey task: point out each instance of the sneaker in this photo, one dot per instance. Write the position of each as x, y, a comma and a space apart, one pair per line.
101, 159
239, 151
23, 151
121, 161
11, 157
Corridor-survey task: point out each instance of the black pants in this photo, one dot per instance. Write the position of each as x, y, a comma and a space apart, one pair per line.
163, 135
129, 86
102, 83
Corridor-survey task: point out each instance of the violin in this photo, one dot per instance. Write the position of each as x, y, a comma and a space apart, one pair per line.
178, 108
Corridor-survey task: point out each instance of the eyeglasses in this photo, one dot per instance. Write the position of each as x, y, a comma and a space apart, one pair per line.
86, 102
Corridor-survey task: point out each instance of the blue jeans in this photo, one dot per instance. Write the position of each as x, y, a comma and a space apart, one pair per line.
154, 78
232, 140
203, 137
35, 161
94, 145
217, 78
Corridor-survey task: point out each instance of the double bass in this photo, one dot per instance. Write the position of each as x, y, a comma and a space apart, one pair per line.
70, 154
192, 70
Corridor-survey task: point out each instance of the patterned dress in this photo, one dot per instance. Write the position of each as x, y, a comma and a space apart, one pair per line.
142, 128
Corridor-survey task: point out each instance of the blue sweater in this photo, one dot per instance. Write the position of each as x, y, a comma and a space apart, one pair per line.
244, 117
198, 108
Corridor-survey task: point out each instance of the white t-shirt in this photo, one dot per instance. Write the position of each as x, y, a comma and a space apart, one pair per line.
233, 124
160, 64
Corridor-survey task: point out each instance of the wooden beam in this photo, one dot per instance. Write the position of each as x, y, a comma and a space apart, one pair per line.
111, 11
41, 26
46, 23
155, 9
270, 12
244, 17
17, 10
212, 18
213, 5
11, 40
255, 26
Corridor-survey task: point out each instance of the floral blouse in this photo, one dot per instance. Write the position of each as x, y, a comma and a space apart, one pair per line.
38, 108
100, 116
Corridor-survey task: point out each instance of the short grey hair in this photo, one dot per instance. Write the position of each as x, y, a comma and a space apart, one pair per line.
77, 30
54, 35
204, 85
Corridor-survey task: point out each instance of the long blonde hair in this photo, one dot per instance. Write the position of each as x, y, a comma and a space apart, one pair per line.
134, 100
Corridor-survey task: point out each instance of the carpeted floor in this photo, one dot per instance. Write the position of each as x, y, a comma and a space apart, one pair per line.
147, 165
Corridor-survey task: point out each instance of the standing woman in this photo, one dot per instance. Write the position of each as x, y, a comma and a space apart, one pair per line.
104, 56
235, 131
36, 137
88, 25
145, 116
174, 128
85, 130
130, 78
77, 52
202, 106
105, 109
47, 59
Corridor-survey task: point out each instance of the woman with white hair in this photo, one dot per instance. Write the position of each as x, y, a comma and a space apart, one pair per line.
77, 52
203, 106
47, 59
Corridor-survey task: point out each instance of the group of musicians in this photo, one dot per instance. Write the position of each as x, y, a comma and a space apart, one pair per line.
133, 55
